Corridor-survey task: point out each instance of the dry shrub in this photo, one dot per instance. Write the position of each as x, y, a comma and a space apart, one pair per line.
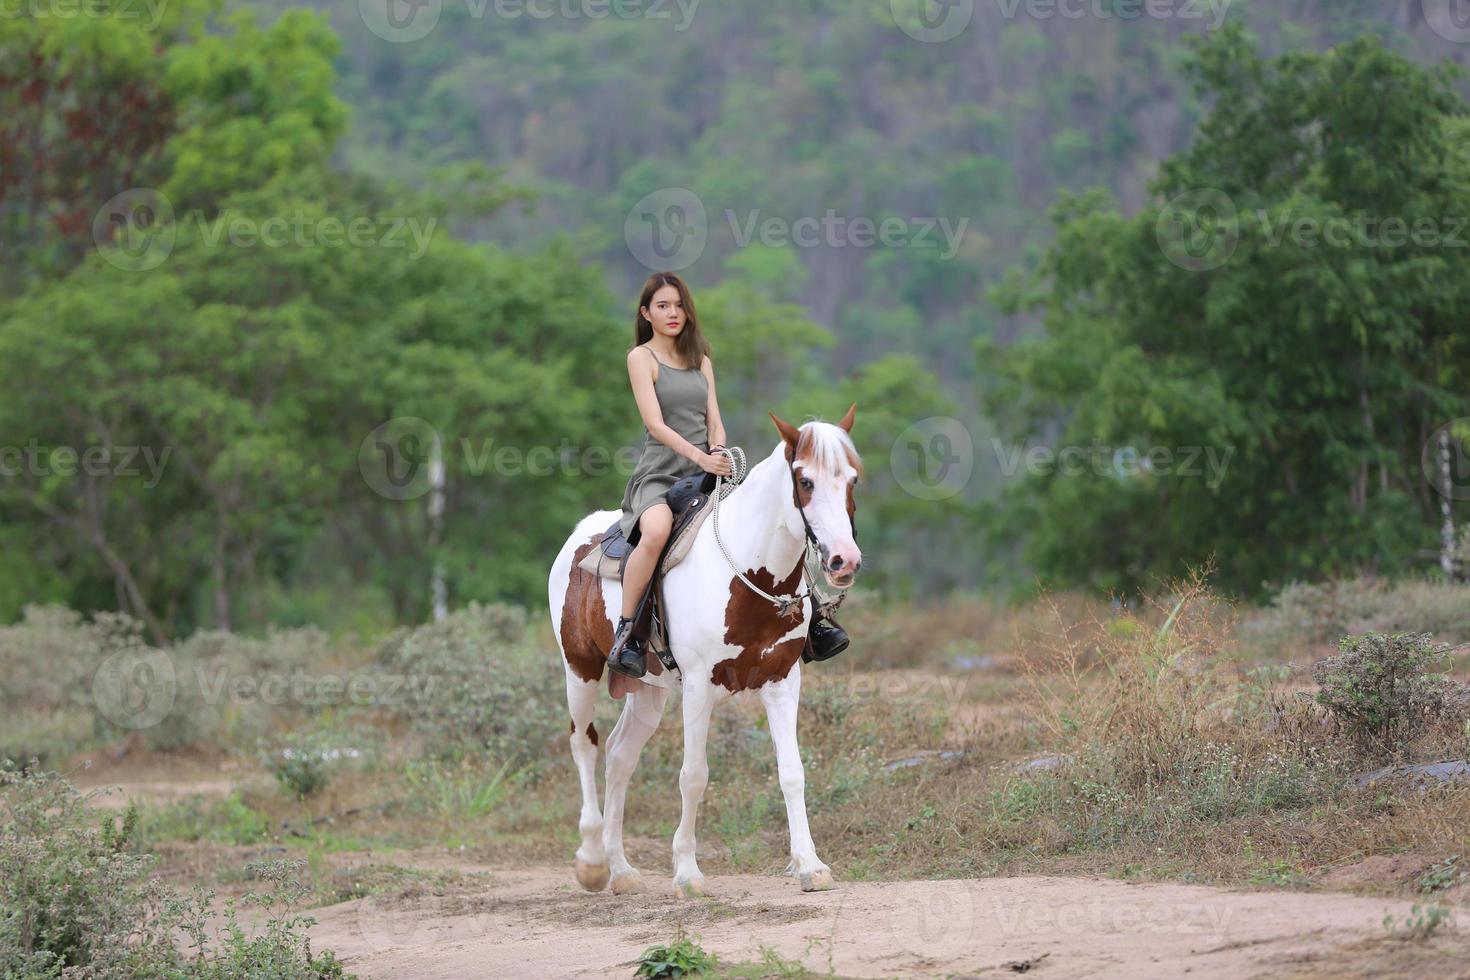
1382, 692
1156, 732
1316, 614
887, 635
1150, 695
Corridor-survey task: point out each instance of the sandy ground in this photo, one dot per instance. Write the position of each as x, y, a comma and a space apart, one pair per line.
537, 923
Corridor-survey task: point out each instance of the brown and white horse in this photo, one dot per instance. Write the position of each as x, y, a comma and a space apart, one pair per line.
725, 637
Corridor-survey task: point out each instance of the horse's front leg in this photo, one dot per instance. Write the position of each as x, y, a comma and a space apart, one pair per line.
693, 778
781, 700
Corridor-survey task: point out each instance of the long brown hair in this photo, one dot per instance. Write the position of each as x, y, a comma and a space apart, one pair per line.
690, 343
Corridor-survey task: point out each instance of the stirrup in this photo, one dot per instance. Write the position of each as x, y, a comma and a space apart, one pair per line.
627, 657
825, 640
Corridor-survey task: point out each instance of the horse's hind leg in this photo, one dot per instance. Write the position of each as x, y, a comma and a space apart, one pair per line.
591, 859
641, 713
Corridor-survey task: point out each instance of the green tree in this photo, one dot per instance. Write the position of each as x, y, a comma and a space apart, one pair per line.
1241, 312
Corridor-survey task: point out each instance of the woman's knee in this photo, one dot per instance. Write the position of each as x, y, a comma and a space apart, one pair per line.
655, 524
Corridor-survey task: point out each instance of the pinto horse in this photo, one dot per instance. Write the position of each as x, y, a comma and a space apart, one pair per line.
725, 637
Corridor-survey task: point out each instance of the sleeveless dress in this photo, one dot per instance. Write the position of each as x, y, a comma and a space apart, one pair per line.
683, 397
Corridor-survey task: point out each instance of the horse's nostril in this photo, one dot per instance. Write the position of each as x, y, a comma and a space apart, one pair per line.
836, 563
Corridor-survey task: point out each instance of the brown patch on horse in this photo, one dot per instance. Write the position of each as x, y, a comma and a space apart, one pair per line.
586, 633
752, 624
592, 733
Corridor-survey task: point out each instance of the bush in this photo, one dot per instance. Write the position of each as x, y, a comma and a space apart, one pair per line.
1319, 613
304, 762
76, 899
46, 689
481, 686
1156, 732
1380, 689
682, 958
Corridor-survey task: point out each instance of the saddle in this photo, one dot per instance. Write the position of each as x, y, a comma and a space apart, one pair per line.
688, 500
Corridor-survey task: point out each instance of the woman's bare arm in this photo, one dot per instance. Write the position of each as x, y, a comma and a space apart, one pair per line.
640, 375
715, 424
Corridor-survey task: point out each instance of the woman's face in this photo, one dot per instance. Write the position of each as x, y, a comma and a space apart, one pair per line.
665, 311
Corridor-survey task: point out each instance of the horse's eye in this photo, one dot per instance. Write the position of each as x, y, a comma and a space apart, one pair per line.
806, 483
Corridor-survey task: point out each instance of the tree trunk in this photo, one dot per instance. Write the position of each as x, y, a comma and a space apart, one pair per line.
1446, 501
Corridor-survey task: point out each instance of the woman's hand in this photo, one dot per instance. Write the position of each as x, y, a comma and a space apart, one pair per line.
720, 465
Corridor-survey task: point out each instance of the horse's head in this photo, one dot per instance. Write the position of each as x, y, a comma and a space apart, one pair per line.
825, 468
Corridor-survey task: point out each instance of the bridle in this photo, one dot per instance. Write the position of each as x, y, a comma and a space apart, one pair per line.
785, 605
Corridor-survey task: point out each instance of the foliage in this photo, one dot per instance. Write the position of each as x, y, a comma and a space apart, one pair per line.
1310, 613
1292, 379
77, 900
230, 820
682, 958
458, 793
1380, 689
304, 761
1443, 875
486, 689
1421, 923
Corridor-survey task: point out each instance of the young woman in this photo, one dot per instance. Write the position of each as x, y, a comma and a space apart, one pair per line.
674, 385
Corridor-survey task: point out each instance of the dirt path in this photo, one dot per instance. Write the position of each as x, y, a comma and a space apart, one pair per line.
537, 923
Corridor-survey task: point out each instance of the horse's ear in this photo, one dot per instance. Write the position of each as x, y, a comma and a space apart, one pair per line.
788, 431
846, 422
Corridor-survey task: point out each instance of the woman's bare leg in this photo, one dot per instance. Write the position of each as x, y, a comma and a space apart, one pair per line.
653, 530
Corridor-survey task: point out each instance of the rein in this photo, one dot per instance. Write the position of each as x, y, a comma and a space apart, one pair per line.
785, 605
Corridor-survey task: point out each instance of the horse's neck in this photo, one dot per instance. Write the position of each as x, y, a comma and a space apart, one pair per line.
750, 520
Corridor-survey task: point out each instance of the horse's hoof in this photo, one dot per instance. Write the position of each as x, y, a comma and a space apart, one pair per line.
592, 877
627, 884
689, 888
818, 881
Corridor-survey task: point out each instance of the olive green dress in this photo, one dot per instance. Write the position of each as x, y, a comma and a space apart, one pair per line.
683, 397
